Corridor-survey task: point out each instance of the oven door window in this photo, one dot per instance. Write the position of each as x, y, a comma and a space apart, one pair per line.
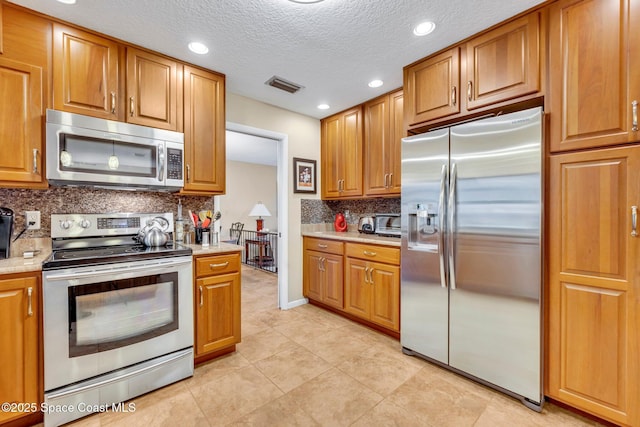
107, 157
112, 314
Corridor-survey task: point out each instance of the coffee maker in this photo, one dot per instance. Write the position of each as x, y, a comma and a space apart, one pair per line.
6, 229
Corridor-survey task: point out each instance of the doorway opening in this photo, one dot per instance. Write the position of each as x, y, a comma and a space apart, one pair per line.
263, 147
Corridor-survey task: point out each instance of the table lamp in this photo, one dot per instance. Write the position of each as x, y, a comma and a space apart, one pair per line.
259, 210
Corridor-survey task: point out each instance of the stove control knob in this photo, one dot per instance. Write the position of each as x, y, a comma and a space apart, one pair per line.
85, 223
66, 224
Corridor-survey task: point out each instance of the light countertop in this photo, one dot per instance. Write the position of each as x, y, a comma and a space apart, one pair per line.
354, 236
214, 249
18, 264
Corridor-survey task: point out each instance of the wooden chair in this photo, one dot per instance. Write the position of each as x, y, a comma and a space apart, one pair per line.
235, 232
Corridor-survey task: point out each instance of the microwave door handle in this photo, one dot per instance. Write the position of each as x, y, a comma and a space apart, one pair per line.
161, 163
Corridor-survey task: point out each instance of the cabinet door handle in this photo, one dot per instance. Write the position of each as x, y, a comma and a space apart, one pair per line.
386, 180
201, 297
223, 264
634, 221
366, 275
470, 90
29, 301
113, 102
390, 180
369, 253
131, 106
35, 160
321, 264
188, 173
634, 113
371, 275
454, 96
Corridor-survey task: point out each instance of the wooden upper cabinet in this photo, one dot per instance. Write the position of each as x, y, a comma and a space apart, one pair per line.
154, 90
383, 130
86, 74
593, 72
432, 88
485, 72
503, 63
204, 132
341, 147
21, 111
593, 307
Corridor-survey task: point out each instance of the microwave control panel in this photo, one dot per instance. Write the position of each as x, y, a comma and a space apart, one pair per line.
174, 163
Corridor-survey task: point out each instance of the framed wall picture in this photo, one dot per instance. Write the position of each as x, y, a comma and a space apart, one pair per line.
304, 176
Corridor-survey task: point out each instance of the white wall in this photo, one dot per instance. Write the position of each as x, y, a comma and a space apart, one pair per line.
303, 141
247, 184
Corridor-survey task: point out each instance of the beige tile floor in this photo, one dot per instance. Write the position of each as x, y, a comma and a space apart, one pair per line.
308, 367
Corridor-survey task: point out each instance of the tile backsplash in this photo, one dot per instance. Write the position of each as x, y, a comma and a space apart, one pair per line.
60, 200
324, 211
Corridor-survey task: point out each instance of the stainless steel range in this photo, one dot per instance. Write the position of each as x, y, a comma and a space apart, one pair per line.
118, 316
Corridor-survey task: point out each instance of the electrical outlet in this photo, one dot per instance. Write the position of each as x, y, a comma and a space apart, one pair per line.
33, 217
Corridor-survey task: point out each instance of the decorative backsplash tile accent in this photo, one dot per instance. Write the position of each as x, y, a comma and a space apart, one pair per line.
324, 211
60, 200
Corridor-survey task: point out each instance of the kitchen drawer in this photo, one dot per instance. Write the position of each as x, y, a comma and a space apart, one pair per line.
374, 253
217, 264
324, 245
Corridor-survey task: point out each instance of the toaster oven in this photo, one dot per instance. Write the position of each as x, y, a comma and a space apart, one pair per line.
388, 225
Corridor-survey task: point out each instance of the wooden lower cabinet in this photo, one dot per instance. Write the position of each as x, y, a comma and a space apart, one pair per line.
372, 289
323, 272
217, 302
593, 307
20, 343
360, 280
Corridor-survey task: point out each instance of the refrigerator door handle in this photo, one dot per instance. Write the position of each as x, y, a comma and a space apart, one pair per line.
441, 223
451, 225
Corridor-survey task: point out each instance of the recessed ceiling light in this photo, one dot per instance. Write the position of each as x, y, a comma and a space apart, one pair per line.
375, 83
323, 106
67, 1
424, 28
198, 48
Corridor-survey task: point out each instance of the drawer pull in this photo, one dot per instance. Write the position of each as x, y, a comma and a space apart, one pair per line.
30, 301
201, 297
223, 264
369, 253
320, 245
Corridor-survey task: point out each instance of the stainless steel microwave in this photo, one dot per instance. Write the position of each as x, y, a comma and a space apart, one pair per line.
388, 225
88, 151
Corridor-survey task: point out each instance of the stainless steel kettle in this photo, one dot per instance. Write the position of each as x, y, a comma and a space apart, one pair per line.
153, 234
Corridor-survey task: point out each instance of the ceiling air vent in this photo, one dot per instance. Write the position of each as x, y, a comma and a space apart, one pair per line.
282, 84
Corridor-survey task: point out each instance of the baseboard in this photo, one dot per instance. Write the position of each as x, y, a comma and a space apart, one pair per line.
294, 304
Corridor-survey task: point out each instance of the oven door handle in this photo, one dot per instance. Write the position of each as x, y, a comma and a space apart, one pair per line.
112, 270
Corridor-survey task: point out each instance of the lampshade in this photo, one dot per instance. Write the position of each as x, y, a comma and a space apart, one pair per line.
259, 210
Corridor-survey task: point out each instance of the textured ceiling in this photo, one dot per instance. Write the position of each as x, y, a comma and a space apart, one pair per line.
332, 48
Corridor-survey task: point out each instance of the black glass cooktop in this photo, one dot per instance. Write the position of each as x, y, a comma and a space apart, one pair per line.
65, 258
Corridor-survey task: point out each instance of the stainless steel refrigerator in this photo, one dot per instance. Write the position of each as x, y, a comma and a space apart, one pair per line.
471, 250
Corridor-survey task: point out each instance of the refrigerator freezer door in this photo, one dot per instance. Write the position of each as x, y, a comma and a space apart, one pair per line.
495, 306
424, 292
